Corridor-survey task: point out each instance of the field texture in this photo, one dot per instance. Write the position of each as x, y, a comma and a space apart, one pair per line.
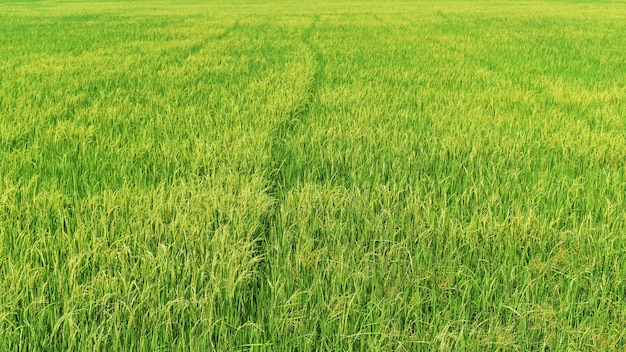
307, 176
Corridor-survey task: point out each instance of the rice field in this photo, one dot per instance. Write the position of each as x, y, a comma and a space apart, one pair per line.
313, 176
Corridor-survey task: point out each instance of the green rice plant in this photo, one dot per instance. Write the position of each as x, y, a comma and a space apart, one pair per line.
285, 176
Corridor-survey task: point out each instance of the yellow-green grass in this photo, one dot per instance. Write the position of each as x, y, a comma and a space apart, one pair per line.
312, 176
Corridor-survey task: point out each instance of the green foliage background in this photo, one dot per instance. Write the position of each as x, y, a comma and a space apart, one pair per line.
312, 176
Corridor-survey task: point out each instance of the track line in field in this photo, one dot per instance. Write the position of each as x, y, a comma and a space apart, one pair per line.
227, 31
281, 160
196, 48
319, 68
295, 119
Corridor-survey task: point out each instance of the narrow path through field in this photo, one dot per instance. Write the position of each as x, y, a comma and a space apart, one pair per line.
196, 48
281, 161
295, 120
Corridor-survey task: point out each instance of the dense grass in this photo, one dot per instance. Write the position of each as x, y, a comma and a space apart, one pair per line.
312, 176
